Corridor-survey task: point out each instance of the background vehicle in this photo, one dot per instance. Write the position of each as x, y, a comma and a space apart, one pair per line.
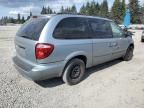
64, 45
142, 37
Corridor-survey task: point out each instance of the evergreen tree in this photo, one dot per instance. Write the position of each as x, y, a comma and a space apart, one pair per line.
43, 10
142, 13
92, 8
62, 9
87, 8
28, 17
18, 18
23, 20
54, 12
11, 20
97, 9
47, 10
83, 9
73, 9
68, 10
30, 13
5, 20
116, 11
134, 9
123, 8
104, 9
50, 11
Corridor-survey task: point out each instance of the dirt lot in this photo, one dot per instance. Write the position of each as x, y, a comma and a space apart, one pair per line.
116, 84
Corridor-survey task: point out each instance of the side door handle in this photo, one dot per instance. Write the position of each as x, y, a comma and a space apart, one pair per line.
113, 44
110, 45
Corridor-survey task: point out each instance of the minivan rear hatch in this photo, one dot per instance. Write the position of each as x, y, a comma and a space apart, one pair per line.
27, 37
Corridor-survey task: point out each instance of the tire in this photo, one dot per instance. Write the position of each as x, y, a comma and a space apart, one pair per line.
74, 72
129, 54
142, 40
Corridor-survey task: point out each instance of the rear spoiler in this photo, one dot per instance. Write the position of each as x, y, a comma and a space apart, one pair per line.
45, 15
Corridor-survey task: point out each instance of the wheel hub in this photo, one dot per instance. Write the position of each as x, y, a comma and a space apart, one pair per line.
75, 73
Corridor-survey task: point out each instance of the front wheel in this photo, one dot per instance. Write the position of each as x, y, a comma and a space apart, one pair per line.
74, 72
129, 54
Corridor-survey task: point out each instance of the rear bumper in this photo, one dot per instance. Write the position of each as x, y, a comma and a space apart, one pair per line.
38, 71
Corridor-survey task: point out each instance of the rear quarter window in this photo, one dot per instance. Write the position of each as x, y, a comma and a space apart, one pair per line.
32, 28
72, 28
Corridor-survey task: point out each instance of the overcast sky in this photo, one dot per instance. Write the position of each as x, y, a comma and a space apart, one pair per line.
13, 7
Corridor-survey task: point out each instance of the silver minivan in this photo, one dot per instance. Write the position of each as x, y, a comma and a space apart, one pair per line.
64, 45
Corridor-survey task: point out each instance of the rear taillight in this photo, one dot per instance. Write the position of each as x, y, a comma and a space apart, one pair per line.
42, 51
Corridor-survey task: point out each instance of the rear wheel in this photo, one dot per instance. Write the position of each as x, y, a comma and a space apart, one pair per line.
129, 53
74, 72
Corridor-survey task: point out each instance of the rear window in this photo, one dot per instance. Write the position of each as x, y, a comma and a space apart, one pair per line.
32, 28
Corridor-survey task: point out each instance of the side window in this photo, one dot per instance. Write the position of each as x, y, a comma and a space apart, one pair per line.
100, 28
117, 32
72, 28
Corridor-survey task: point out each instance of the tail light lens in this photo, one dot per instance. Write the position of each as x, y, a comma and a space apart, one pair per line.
42, 51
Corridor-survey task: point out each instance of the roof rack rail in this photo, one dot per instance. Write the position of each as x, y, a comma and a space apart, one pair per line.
70, 13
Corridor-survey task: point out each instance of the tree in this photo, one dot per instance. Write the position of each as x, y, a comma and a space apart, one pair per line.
142, 14
47, 10
83, 9
11, 20
135, 11
43, 10
18, 18
23, 20
73, 9
104, 9
87, 8
97, 9
50, 11
68, 9
30, 13
54, 12
5, 20
123, 8
28, 17
62, 9
92, 8
116, 11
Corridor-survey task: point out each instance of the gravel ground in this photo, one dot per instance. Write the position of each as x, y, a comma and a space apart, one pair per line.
116, 84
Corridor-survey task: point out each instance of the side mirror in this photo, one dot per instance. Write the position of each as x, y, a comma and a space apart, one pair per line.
128, 33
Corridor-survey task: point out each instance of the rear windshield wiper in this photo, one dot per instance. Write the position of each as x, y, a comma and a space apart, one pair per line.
26, 37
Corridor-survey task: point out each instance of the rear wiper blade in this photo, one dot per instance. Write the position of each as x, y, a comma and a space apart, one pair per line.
25, 37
